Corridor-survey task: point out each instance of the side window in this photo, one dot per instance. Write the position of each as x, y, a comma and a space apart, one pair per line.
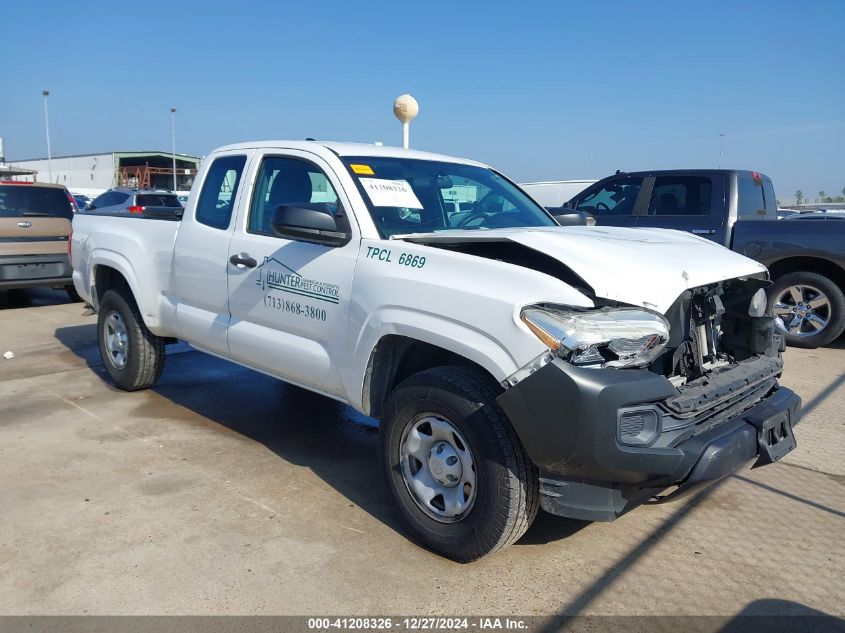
102, 200
681, 195
614, 198
118, 198
289, 181
751, 202
217, 197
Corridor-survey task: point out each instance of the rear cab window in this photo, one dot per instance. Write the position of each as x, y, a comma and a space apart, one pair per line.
756, 196
32, 201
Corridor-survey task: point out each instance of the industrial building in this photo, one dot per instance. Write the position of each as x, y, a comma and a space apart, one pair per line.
93, 173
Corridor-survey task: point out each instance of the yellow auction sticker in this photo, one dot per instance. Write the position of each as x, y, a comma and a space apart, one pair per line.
364, 170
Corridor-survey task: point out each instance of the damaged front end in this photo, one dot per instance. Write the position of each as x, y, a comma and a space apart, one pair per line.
615, 420
718, 325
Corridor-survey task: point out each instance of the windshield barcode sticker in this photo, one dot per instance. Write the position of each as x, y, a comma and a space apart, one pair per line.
390, 193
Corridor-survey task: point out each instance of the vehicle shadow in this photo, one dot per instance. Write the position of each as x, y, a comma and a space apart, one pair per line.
548, 528
838, 343
31, 297
82, 341
774, 615
767, 615
333, 440
336, 442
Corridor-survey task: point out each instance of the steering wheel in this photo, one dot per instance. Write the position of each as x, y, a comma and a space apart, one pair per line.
601, 206
476, 215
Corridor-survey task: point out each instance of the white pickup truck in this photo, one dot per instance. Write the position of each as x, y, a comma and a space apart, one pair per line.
512, 363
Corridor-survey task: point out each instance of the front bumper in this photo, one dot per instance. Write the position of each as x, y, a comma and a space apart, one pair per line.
31, 271
568, 420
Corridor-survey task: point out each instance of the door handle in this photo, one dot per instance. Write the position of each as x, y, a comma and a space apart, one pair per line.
704, 231
242, 259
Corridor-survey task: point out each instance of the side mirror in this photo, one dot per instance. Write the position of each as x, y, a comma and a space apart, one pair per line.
311, 223
568, 217
90, 206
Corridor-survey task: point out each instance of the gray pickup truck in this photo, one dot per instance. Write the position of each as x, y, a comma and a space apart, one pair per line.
805, 254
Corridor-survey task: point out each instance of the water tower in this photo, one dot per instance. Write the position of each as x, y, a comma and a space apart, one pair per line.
405, 108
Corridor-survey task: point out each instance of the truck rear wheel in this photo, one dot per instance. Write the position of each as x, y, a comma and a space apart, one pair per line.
132, 355
811, 307
455, 465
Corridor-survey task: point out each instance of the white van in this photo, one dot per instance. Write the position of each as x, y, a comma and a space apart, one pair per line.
554, 193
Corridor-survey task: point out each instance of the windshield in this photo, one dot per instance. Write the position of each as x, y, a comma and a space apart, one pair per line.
31, 200
421, 196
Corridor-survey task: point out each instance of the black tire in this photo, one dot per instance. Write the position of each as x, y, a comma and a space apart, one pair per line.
144, 360
72, 294
507, 487
835, 315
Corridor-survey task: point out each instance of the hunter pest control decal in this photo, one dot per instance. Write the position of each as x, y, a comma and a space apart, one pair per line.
274, 275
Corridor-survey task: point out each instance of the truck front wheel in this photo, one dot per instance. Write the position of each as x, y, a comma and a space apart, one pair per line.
454, 464
811, 307
132, 355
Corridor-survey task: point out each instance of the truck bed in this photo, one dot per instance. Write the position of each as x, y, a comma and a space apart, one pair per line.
142, 244
770, 241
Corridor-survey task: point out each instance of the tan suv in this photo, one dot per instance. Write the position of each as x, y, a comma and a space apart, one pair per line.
34, 236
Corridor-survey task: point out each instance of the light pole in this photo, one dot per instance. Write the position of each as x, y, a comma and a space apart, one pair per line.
721, 143
45, 94
405, 108
173, 143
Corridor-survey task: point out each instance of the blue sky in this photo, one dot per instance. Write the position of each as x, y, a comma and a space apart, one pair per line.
542, 91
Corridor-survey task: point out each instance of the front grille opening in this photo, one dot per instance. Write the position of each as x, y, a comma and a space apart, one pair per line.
711, 329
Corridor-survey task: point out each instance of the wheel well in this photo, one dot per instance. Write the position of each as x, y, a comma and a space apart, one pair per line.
107, 278
811, 265
394, 359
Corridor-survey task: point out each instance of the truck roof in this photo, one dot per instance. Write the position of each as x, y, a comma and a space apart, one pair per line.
683, 172
350, 149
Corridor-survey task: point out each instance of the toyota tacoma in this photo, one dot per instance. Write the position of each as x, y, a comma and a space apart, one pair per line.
512, 363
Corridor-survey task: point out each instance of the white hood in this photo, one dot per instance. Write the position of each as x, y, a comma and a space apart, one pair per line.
638, 266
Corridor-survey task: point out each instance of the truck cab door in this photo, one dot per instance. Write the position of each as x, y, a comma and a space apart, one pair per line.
610, 202
199, 283
693, 203
289, 299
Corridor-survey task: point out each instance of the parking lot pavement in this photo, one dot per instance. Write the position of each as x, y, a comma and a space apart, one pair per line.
224, 491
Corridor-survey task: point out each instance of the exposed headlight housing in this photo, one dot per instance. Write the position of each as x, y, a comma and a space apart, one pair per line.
759, 303
610, 337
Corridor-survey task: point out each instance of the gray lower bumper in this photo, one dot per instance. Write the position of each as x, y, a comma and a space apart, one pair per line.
30, 271
567, 419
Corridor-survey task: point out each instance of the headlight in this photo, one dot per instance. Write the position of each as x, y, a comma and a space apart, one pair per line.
611, 337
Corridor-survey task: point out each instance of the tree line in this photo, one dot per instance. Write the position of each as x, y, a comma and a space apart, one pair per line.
800, 198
